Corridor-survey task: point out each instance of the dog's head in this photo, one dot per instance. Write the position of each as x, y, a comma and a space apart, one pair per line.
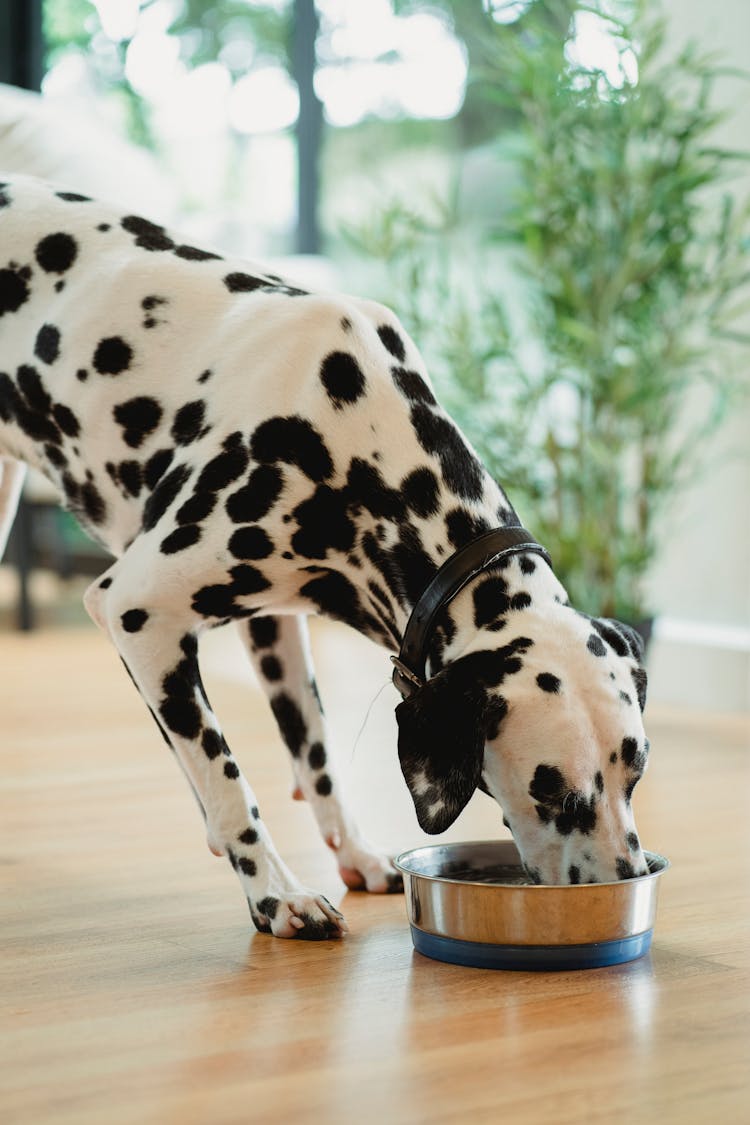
550, 726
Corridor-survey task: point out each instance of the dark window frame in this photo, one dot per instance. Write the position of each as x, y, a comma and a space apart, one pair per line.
21, 43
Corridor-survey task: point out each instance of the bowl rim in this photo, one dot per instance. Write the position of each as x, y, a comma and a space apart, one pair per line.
398, 861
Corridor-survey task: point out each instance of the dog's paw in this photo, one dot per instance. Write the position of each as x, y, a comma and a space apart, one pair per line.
304, 915
362, 868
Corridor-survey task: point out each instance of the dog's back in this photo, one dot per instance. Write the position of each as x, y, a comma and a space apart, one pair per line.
121, 347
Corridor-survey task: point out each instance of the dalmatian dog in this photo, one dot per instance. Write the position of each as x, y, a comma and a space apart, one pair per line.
249, 452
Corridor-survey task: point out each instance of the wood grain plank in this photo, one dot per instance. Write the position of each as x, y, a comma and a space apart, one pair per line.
134, 988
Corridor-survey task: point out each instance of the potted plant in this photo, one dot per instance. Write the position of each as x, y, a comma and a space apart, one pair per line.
633, 257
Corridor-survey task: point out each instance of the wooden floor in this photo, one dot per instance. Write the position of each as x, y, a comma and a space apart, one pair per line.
134, 989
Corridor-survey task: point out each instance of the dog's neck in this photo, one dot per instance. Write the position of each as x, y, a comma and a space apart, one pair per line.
384, 579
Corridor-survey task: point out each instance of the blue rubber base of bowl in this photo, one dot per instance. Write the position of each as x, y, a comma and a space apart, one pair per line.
536, 958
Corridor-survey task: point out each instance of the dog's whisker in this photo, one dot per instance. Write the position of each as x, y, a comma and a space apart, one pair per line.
366, 719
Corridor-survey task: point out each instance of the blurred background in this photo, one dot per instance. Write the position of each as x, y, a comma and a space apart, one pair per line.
553, 196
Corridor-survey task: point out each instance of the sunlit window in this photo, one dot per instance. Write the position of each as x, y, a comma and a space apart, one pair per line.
374, 63
594, 45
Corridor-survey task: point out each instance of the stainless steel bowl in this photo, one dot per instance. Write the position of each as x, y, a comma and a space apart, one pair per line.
467, 903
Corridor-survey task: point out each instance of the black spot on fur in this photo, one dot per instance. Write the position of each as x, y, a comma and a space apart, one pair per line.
595, 645
29, 405
420, 492
242, 282
256, 498
391, 340
232, 772
463, 528
33, 390
152, 302
213, 743
264, 632
366, 487
14, 291
188, 422
324, 524
491, 603
156, 467
66, 419
219, 600
93, 503
342, 378
599, 781
223, 469
47, 343
548, 784
138, 417
317, 756
196, 508
291, 723
112, 356
133, 620
249, 836
148, 235
272, 668
412, 386
295, 441
179, 708
250, 543
82, 374
180, 539
56, 253
324, 785
548, 682
268, 906
247, 580
72, 197
164, 495
193, 254
629, 752
55, 456
625, 869
574, 874
578, 813
335, 595
632, 841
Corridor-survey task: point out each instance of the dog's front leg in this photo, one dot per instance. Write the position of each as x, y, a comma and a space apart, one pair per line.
160, 652
279, 648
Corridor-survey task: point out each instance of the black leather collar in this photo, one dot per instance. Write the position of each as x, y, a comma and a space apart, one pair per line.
460, 568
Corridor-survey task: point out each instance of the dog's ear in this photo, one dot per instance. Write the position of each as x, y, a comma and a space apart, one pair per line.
632, 636
442, 729
627, 641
